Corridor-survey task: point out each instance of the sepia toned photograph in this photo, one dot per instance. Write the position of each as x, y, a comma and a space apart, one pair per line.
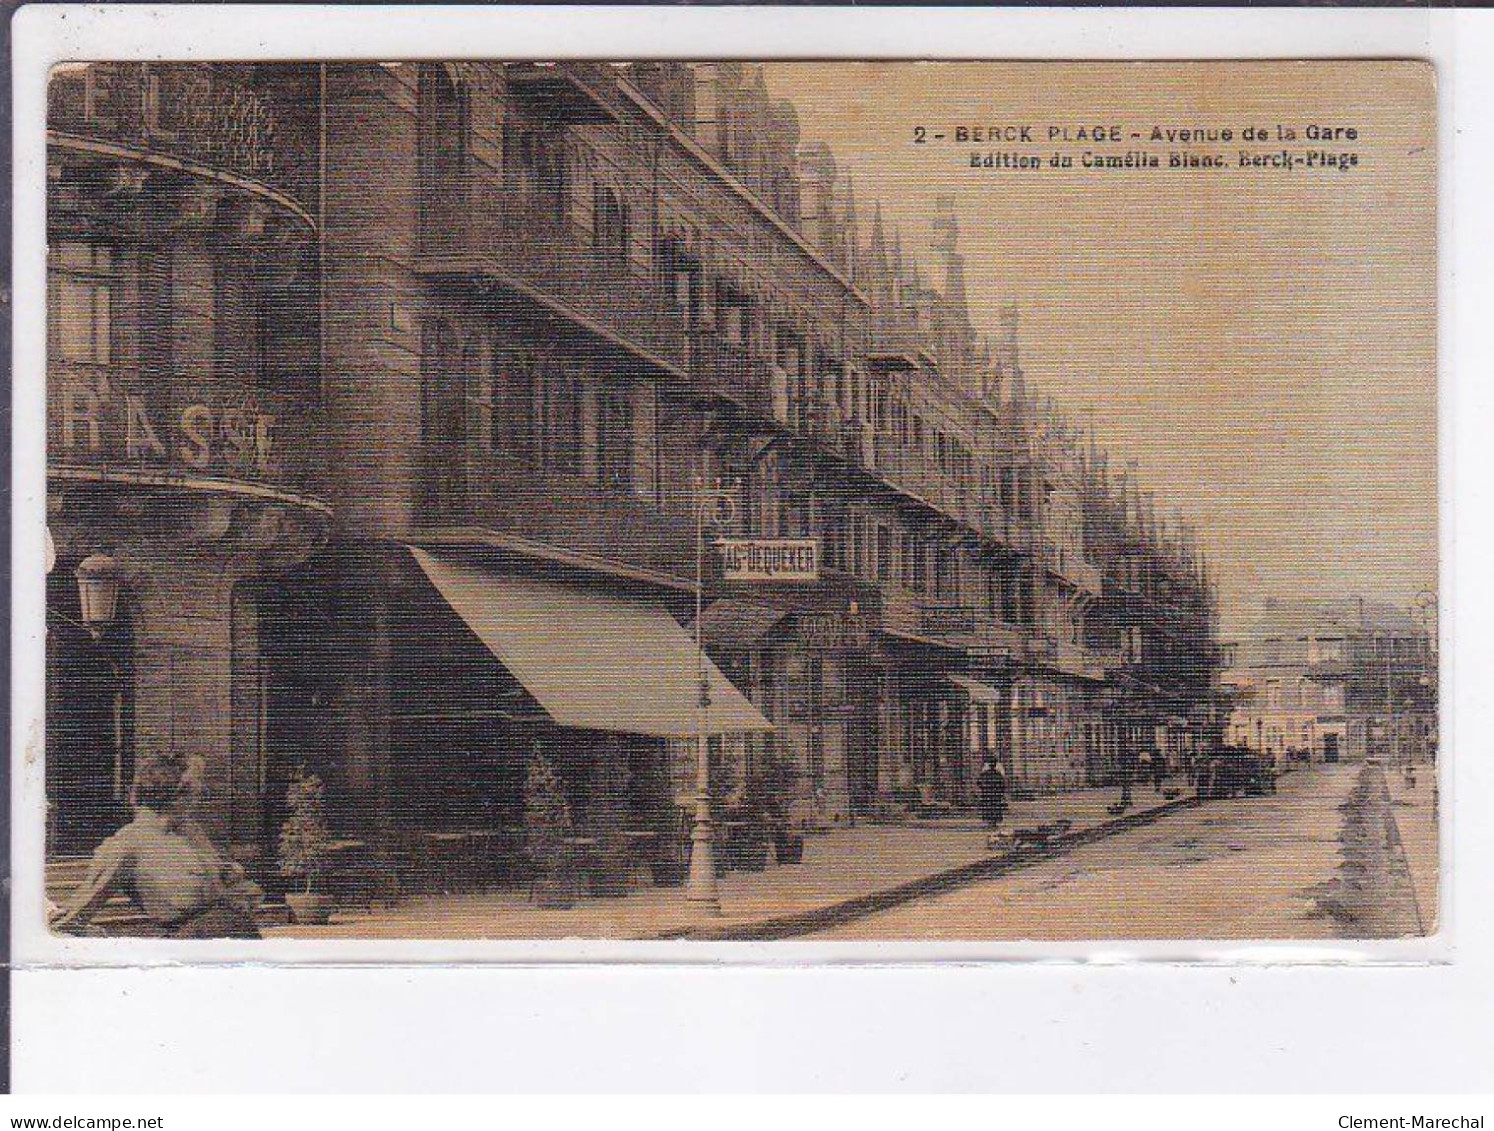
742, 501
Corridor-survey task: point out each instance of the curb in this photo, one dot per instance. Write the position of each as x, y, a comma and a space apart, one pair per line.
848, 910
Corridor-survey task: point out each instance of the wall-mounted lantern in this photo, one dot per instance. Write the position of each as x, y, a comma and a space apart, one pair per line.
98, 592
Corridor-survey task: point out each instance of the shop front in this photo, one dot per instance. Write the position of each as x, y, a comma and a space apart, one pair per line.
524, 706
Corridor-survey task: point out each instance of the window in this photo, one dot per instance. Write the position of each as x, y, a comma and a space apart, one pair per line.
615, 440
834, 532
794, 520
442, 150
733, 322
542, 175
560, 422
101, 98
84, 300
514, 386
611, 222
884, 553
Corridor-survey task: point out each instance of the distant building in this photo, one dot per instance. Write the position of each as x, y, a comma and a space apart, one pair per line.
1335, 681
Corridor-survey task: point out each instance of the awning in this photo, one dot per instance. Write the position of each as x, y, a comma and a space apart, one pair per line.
978, 692
738, 625
591, 660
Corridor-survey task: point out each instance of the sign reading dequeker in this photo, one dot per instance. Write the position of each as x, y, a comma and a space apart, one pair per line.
794, 560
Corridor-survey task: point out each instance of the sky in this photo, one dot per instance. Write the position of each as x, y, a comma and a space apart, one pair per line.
1260, 342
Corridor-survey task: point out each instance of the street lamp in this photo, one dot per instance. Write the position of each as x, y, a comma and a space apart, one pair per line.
717, 506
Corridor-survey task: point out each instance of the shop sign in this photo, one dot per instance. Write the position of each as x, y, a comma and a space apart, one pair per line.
223, 429
833, 631
989, 655
792, 560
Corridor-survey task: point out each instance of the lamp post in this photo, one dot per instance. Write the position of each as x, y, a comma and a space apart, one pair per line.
716, 505
1426, 606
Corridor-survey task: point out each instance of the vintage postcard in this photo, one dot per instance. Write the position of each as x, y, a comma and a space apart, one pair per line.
690, 500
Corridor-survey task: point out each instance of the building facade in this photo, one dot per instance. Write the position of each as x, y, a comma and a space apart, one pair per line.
1331, 681
390, 394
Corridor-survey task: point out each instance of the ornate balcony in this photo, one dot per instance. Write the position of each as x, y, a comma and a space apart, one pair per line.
898, 345
731, 371
106, 423
493, 494
526, 250
577, 91
913, 474
1066, 658
212, 120
1078, 572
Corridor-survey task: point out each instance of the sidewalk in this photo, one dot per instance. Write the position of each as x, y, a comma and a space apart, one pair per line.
866, 863
1416, 824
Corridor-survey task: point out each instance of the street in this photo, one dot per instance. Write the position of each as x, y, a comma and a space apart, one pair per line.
1293, 865
1340, 851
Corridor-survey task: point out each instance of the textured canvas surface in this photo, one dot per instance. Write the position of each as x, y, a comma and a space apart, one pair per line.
814, 500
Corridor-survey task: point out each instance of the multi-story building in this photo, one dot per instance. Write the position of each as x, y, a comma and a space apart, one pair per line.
1157, 622
1335, 681
387, 394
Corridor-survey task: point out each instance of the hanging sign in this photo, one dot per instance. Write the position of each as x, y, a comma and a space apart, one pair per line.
793, 560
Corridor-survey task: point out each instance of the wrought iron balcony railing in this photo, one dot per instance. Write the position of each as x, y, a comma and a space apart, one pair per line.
565, 510
207, 114
529, 249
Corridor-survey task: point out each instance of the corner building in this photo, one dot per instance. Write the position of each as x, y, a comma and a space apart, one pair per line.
186, 426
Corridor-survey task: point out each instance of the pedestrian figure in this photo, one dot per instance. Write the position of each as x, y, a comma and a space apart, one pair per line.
1129, 764
166, 863
991, 785
1159, 769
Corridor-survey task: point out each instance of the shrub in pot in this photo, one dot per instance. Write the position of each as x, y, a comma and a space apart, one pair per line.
305, 846
547, 825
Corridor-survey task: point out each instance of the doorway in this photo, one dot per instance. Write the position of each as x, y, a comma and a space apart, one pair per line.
863, 736
89, 726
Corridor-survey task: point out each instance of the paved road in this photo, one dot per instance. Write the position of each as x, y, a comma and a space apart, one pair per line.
1316, 861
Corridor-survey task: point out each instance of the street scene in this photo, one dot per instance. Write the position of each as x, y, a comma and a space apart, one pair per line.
731, 501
